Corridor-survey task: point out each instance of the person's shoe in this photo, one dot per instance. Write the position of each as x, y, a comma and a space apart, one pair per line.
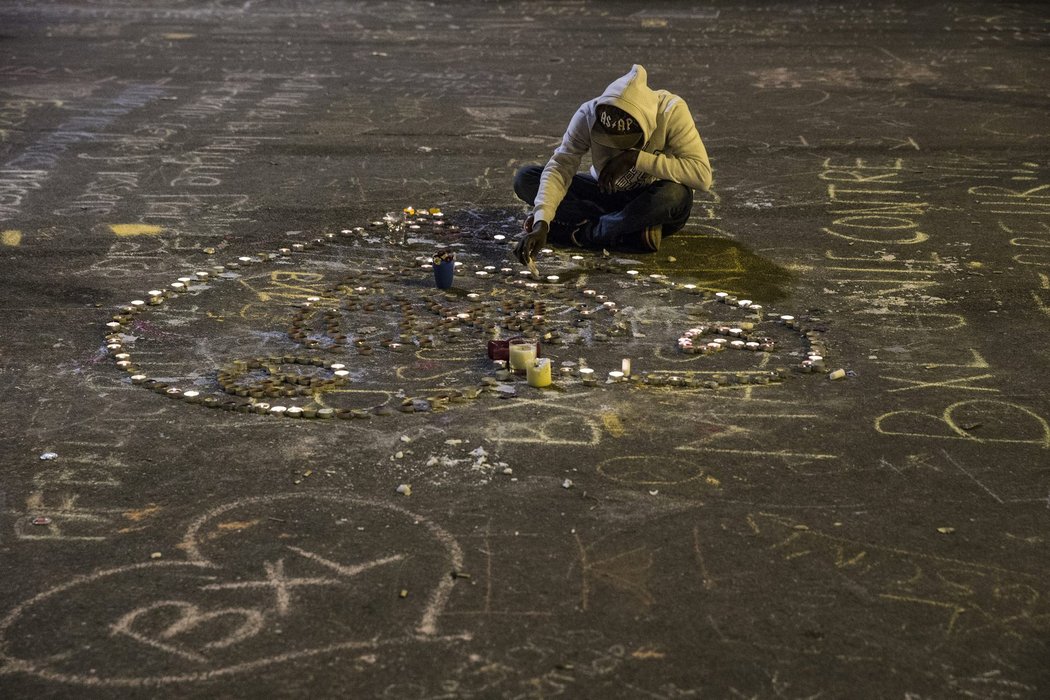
581, 235
651, 238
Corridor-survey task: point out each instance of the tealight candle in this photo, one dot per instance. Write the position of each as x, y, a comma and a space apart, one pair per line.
337, 366
546, 251
499, 237
178, 286
553, 278
538, 372
481, 273
737, 344
191, 395
721, 296
632, 273
589, 293
155, 292
577, 257
587, 375
616, 376
743, 303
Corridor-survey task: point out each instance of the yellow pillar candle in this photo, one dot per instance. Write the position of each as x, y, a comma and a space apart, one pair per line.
538, 372
522, 353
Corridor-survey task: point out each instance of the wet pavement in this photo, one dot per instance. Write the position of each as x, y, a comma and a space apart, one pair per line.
249, 449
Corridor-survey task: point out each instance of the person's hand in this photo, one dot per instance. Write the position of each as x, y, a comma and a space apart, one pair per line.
535, 239
616, 168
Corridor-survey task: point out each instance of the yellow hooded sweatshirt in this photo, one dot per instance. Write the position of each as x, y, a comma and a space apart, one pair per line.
671, 147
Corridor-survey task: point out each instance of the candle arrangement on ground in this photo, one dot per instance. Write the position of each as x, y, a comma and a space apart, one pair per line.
373, 333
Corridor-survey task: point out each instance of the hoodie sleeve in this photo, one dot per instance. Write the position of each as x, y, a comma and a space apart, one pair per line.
558, 173
684, 159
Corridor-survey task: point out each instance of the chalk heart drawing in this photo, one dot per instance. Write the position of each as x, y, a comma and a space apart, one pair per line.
266, 581
979, 420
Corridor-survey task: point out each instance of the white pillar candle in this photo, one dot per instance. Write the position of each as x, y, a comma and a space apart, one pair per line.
625, 366
522, 354
538, 372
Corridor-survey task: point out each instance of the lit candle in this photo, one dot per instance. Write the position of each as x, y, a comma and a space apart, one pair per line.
616, 376
744, 303
522, 354
632, 273
499, 237
553, 278
721, 296
587, 375
589, 293
538, 372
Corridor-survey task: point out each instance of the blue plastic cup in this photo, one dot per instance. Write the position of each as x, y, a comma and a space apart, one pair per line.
443, 274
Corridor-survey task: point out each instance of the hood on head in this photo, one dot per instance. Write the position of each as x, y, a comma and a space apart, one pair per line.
632, 94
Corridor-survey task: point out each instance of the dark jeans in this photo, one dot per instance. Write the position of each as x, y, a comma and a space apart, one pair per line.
604, 220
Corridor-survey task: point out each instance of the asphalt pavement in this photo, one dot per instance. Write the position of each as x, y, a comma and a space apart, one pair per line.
250, 450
